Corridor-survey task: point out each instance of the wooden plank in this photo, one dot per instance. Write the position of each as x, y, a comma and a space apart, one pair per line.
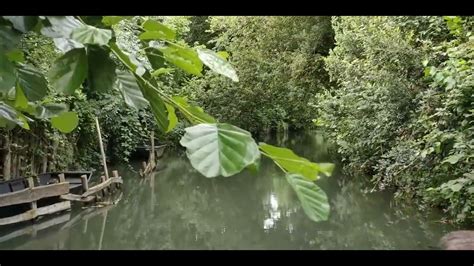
33, 194
102, 185
91, 212
32, 229
74, 197
31, 214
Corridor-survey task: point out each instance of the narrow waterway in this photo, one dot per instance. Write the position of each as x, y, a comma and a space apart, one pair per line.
178, 208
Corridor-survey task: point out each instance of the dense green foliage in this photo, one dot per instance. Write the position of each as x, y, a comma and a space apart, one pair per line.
94, 65
280, 66
403, 107
394, 94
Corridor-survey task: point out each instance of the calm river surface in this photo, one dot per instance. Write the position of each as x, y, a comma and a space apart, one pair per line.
180, 209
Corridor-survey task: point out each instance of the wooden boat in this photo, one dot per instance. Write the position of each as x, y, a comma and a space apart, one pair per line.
21, 200
13, 185
72, 177
144, 151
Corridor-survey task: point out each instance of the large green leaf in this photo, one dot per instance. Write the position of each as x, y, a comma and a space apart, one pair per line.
155, 30
183, 57
173, 120
69, 71
293, 163
128, 87
193, 113
61, 29
23, 23
65, 45
162, 71
123, 56
95, 21
7, 74
65, 122
87, 34
217, 64
154, 35
112, 20
21, 102
223, 54
313, 199
16, 55
157, 105
61, 26
9, 113
9, 38
155, 57
49, 110
101, 74
32, 82
219, 149
453, 159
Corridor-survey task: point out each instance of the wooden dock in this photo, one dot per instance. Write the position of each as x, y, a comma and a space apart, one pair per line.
54, 191
60, 196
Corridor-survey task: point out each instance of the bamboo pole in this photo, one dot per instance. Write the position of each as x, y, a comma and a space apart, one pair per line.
102, 149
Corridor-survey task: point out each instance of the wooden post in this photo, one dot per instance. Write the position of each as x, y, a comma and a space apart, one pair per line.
116, 175
85, 183
102, 148
62, 178
18, 165
102, 192
44, 164
7, 155
151, 158
53, 164
152, 152
31, 185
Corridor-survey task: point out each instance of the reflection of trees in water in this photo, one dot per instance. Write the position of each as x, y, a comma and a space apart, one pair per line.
195, 212
180, 209
364, 221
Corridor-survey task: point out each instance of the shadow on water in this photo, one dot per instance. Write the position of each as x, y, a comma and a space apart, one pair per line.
178, 208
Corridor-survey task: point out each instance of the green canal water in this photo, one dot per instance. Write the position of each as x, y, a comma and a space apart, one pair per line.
180, 209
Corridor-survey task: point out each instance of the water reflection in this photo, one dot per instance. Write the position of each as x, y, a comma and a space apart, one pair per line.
179, 209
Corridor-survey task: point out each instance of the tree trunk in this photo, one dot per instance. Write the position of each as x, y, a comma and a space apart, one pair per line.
52, 163
13, 164
45, 159
33, 145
